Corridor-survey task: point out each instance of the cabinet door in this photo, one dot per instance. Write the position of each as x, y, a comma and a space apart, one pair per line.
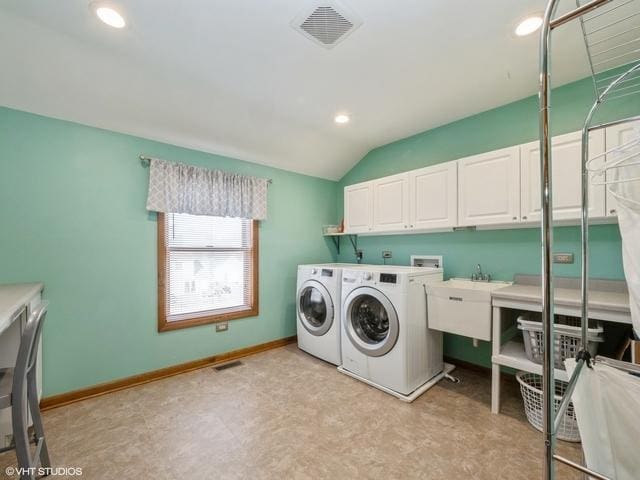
489, 188
391, 203
566, 177
616, 136
357, 207
433, 196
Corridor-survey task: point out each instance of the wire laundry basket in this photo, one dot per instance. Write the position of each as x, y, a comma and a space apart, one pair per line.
531, 390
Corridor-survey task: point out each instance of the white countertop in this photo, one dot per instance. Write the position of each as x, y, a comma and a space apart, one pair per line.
13, 298
570, 297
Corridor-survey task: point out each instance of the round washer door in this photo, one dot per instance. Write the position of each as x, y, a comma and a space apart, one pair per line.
370, 321
315, 308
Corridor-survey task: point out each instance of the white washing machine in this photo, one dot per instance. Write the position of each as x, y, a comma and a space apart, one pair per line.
318, 309
385, 341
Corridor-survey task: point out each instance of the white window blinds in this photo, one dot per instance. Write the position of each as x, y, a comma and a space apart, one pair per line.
209, 265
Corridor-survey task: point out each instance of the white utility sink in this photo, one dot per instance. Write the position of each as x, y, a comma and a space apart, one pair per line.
473, 285
462, 306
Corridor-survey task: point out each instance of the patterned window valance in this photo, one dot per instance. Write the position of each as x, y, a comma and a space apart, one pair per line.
180, 188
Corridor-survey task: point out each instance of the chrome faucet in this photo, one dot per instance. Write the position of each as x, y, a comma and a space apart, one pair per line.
479, 276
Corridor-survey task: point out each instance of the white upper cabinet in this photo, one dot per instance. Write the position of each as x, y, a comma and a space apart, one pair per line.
499, 188
391, 203
489, 188
433, 197
358, 212
616, 136
566, 178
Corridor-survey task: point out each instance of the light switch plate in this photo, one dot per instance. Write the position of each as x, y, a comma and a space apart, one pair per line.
563, 258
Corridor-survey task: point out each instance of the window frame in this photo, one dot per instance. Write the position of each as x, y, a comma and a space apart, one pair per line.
166, 325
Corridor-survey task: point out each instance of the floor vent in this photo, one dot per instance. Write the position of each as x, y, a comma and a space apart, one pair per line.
225, 366
326, 23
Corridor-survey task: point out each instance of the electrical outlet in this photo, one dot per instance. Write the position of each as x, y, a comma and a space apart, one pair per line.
359, 255
222, 327
386, 254
563, 258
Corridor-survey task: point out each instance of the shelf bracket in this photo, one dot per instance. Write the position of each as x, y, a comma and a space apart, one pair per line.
354, 242
336, 242
353, 238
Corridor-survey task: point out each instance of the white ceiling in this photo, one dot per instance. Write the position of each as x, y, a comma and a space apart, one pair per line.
232, 77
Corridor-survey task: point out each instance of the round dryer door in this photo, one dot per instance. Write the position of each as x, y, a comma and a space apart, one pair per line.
371, 322
315, 308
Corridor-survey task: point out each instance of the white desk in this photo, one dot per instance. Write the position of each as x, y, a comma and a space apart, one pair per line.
608, 301
16, 303
14, 298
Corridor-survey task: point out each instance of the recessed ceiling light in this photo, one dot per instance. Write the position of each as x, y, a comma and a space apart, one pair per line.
341, 118
108, 14
529, 25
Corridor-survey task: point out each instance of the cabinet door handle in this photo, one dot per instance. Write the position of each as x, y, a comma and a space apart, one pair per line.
612, 211
524, 217
515, 218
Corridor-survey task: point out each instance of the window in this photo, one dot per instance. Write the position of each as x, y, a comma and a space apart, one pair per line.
207, 269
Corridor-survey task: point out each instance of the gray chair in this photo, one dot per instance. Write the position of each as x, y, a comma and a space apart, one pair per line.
18, 391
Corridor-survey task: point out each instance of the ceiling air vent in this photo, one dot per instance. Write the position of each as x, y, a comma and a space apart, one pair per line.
326, 23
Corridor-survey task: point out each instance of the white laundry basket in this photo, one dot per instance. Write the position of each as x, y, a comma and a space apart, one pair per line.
566, 341
531, 389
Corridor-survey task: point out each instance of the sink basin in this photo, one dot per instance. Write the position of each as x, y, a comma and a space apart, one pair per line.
462, 306
465, 284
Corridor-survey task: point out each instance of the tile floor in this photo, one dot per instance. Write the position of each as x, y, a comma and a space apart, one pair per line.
283, 414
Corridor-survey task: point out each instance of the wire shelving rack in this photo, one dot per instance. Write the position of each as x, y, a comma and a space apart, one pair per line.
611, 31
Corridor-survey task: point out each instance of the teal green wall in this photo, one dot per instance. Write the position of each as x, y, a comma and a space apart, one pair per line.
72, 210
502, 253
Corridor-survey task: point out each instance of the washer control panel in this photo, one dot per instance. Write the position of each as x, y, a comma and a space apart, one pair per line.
372, 278
388, 278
